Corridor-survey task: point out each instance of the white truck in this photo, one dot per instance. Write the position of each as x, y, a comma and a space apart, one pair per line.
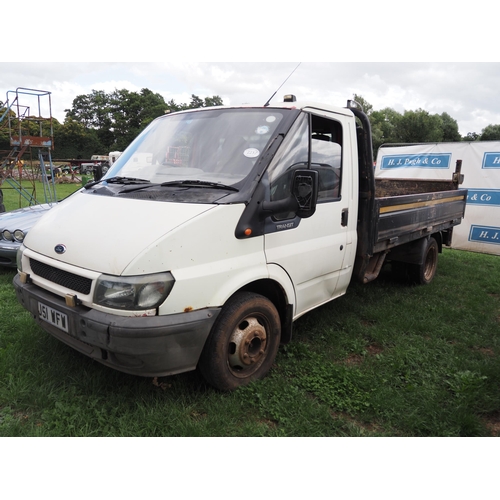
216, 229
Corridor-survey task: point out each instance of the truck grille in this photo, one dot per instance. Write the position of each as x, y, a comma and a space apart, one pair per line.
68, 280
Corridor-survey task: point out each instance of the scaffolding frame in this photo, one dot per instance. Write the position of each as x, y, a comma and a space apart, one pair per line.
29, 131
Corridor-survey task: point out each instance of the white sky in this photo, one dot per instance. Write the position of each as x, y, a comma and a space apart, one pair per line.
468, 92
378, 32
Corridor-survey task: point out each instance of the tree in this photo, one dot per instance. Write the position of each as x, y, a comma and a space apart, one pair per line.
471, 136
490, 133
365, 105
75, 140
119, 116
450, 128
419, 126
131, 112
384, 126
94, 111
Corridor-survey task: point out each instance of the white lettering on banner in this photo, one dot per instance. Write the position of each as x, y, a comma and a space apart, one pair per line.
484, 234
496, 160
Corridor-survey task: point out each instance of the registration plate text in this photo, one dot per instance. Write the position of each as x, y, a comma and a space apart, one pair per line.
56, 318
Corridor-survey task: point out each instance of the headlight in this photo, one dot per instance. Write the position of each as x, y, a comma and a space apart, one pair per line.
7, 235
133, 293
19, 235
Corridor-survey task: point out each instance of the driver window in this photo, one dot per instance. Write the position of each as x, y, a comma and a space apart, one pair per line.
326, 154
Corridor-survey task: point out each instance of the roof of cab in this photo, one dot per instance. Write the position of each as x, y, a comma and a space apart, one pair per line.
305, 105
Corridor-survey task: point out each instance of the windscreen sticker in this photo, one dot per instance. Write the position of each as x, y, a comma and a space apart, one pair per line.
263, 129
270, 119
251, 153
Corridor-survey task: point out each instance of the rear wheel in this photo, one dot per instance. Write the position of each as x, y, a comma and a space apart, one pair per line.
243, 343
423, 274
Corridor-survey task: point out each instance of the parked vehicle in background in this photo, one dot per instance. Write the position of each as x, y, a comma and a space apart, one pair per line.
113, 156
14, 226
216, 229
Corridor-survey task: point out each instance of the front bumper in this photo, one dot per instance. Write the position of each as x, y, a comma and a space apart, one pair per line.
148, 346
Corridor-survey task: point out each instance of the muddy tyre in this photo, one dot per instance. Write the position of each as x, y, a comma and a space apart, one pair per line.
243, 342
423, 274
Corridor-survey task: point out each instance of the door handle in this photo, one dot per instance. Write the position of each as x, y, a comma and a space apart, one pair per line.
345, 217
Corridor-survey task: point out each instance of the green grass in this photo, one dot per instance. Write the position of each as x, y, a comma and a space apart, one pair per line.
387, 359
12, 199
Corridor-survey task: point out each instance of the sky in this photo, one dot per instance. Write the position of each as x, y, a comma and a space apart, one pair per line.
468, 92
390, 56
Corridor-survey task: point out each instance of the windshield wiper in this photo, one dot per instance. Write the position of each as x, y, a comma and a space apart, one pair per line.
118, 180
196, 183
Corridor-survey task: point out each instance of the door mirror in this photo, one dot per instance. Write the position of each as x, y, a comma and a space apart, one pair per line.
305, 191
302, 197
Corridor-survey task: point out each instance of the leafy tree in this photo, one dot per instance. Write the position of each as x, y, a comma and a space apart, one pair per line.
419, 126
365, 105
119, 116
490, 133
213, 101
94, 111
471, 136
75, 140
384, 126
450, 128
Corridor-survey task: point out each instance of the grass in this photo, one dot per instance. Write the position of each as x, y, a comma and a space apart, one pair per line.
12, 199
387, 359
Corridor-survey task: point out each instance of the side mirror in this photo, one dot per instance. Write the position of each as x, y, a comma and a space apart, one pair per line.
302, 199
305, 191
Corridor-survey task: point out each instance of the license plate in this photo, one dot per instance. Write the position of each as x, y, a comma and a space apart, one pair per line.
56, 318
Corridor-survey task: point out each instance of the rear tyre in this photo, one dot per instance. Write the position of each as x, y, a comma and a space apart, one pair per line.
423, 274
243, 343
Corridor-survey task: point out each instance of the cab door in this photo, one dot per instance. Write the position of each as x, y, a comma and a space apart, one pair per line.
312, 251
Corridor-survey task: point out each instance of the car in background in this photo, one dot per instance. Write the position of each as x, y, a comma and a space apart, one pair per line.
14, 226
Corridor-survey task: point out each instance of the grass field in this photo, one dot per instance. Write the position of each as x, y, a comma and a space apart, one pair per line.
387, 359
12, 199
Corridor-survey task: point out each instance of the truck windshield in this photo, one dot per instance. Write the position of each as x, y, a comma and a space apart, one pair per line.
213, 146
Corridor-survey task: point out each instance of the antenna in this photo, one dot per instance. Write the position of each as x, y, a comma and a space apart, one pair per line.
269, 100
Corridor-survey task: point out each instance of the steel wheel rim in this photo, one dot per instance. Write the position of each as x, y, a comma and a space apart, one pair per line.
247, 346
430, 264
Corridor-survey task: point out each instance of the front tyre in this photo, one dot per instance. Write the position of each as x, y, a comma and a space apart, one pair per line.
243, 342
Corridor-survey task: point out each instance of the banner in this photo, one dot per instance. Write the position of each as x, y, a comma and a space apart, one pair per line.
480, 229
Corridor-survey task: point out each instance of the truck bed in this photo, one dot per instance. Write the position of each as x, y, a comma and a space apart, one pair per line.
406, 210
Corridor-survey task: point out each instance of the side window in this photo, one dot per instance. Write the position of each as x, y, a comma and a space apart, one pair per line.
326, 156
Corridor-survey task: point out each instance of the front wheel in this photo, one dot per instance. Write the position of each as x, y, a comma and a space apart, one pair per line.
243, 343
423, 274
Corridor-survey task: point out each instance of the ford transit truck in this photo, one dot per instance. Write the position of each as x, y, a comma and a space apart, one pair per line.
216, 229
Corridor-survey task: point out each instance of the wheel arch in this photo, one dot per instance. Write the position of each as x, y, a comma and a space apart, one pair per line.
274, 292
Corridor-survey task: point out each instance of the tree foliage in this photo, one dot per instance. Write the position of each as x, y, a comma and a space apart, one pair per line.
413, 126
490, 133
99, 122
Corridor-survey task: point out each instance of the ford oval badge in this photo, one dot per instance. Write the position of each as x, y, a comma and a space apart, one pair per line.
60, 249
